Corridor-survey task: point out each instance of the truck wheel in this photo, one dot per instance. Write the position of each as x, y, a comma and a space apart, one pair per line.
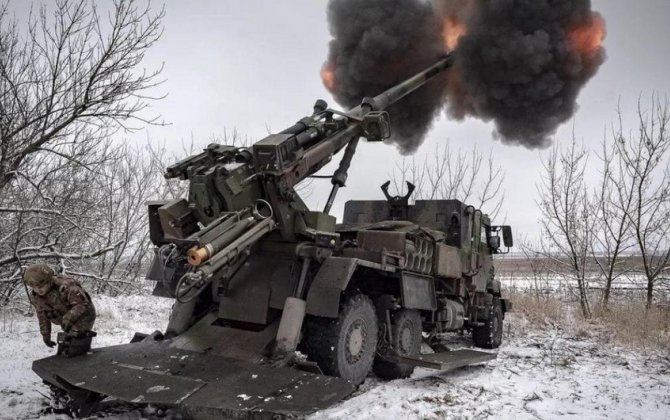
406, 330
489, 336
344, 346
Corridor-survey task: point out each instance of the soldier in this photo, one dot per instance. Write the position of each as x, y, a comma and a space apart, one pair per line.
60, 300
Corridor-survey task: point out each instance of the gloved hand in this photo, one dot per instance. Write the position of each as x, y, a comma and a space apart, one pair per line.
48, 342
66, 325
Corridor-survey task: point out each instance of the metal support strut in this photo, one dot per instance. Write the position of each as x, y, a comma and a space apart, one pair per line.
340, 176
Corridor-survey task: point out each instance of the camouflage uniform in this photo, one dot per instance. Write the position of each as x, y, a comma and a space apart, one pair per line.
65, 303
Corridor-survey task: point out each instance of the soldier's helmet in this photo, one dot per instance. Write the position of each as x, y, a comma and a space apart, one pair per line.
39, 277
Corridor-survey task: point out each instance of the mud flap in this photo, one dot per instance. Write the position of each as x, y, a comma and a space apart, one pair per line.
446, 360
200, 384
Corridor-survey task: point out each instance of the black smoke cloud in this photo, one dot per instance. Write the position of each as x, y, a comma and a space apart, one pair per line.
520, 66
377, 44
516, 65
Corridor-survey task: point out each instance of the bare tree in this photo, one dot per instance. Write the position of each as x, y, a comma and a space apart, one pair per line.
123, 187
539, 270
69, 79
645, 159
73, 77
469, 177
567, 220
91, 222
613, 198
48, 211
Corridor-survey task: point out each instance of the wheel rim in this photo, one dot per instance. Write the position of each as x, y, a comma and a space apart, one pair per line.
355, 341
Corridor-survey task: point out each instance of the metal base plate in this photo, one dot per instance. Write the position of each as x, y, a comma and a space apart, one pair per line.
446, 360
201, 384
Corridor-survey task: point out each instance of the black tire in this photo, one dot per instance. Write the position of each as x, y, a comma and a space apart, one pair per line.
489, 336
344, 346
406, 330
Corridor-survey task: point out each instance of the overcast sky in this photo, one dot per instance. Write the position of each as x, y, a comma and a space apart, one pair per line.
252, 64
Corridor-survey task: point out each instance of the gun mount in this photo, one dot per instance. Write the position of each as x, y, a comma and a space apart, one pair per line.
256, 275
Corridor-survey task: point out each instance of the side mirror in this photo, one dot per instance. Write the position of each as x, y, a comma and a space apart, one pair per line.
507, 236
494, 243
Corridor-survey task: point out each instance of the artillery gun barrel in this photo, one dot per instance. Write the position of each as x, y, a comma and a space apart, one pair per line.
399, 91
379, 103
321, 151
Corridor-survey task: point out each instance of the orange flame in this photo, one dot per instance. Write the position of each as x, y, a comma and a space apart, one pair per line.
588, 39
328, 76
452, 31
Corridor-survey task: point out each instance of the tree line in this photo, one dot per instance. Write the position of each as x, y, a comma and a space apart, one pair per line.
600, 225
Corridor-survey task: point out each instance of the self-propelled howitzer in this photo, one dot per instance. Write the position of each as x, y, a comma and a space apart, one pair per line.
256, 275
241, 194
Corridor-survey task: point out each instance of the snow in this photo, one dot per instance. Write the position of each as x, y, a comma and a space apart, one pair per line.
537, 375
540, 373
157, 388
22, 393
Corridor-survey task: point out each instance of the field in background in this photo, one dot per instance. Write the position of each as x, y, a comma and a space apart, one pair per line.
544, 297
543, 276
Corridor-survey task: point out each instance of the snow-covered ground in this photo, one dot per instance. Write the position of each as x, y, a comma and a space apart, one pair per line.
22, 394
543, 374
538, 374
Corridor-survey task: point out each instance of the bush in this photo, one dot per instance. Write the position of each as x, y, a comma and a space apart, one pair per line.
625, 321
